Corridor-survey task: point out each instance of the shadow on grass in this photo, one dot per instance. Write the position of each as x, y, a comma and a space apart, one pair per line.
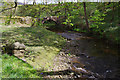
33, 36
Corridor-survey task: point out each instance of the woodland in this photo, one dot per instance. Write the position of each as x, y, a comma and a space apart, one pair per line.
64, 40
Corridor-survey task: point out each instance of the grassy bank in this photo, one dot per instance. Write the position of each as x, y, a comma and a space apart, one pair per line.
13, 67
41, 45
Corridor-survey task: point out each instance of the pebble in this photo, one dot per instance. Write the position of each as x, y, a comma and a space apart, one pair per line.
79, 76
108, 71
68, 41
91, 77
72, 73
62, 62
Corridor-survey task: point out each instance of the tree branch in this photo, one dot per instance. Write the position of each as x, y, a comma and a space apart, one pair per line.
9, 8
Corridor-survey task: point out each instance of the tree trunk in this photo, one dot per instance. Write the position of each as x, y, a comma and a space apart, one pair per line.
34, 2
112, 13
65, 12
86, 18
11, 12
46, 2
9, 19
24, 2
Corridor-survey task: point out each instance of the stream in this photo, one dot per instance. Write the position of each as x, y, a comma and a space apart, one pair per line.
94, 55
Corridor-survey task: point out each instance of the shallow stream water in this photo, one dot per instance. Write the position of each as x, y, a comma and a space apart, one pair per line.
96, 55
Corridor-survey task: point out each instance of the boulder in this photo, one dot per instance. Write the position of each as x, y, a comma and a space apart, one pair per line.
18, 53
17, 49
18, 46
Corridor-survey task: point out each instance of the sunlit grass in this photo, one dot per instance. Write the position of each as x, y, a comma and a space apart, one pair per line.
12, 67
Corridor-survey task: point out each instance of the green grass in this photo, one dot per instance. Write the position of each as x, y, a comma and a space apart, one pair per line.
12, 67
0, 67
32, 36
44, 45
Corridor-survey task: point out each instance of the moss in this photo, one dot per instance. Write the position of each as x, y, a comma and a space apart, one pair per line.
41, 57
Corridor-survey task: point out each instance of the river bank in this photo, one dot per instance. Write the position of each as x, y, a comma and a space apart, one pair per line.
90, 55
